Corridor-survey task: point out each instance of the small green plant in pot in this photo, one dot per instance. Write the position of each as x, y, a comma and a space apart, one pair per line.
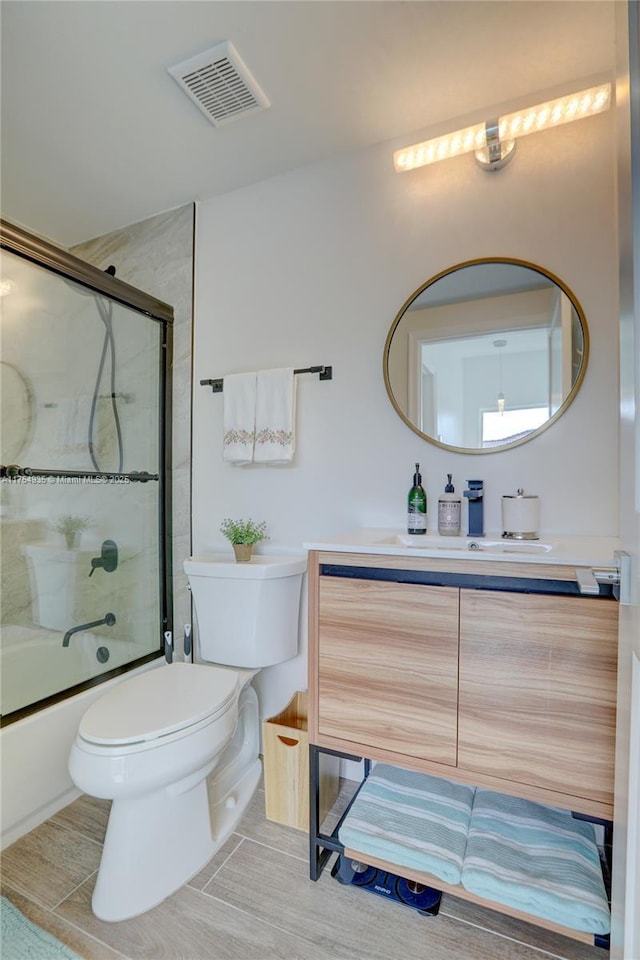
243, 534
71, 527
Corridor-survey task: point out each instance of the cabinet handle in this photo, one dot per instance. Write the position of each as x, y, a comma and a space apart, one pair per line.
619, 576
288, 741
587, 583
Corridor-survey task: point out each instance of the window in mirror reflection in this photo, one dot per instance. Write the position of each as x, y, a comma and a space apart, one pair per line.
508, 425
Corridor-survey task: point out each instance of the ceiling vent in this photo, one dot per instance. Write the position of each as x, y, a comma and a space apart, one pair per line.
220, 84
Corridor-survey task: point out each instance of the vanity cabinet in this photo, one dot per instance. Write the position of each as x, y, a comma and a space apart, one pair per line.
388, 666
420, 663
538, 691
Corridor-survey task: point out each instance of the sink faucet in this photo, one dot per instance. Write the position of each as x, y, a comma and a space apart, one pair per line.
475, 495
109, 619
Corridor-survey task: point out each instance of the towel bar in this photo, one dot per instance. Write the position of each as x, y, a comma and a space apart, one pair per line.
324, 373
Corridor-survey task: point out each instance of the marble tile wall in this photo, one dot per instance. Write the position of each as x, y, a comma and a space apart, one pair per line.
156, 256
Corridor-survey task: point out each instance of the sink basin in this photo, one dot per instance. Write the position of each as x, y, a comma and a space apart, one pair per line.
564, 549
465, 544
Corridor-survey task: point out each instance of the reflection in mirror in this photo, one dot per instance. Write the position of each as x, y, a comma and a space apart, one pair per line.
18, 412
486, 355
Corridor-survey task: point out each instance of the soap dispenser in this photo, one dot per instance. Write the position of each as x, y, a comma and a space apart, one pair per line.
449, 511
417, 505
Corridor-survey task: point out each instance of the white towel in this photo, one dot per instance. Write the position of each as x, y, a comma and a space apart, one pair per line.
239, 391
275, 416
71, 418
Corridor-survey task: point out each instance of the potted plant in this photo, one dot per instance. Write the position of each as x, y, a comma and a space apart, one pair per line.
243, 534
71, 527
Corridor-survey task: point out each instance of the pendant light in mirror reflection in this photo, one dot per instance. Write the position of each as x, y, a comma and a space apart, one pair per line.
486, 355
493, 141
499, 345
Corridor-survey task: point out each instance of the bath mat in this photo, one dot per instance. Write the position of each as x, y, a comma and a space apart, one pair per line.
22, 940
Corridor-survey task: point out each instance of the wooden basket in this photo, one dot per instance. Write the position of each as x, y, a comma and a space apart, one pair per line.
286, 767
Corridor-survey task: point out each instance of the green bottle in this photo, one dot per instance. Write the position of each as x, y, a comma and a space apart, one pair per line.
417, 504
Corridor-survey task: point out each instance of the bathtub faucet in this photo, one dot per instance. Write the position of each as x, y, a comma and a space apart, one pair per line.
109, 619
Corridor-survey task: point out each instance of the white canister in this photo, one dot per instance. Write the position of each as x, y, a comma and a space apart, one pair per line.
521, 516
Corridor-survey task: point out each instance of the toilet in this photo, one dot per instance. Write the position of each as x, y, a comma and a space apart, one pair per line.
176, 748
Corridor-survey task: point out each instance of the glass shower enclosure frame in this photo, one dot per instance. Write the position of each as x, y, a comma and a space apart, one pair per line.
85, 511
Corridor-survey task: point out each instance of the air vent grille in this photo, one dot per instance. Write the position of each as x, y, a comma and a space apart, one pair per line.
220, 84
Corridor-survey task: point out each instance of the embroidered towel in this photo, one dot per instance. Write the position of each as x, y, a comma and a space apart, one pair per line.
239, 417
71, 424
275, 416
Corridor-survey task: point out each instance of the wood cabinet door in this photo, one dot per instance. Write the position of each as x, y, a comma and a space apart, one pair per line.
538, 690
388, 666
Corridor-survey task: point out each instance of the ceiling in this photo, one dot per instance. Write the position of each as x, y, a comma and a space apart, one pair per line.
95, 134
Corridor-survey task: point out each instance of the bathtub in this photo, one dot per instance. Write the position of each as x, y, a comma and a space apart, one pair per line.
34, 664
35, 782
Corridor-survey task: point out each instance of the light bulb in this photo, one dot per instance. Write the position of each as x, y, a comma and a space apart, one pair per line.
441, 148
553, 113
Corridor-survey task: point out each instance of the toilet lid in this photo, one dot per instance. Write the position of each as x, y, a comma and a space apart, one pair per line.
160, 702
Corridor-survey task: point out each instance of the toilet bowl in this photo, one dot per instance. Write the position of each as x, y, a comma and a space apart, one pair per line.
177, 748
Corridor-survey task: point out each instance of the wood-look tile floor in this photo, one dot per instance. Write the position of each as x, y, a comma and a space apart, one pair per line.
253, 901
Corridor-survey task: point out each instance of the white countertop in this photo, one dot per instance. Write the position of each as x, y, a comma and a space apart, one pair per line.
595, 552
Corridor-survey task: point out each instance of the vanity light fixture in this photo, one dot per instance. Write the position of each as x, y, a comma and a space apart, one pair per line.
499, 345
493, 142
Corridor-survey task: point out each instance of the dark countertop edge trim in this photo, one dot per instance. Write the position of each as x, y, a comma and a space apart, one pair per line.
472, 581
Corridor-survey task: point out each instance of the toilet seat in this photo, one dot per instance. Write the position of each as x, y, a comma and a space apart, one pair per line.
160, 704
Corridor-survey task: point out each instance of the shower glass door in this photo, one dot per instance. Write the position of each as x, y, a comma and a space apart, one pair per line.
84, 514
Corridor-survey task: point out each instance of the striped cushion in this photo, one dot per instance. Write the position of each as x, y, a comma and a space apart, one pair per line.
410, 819
536, 859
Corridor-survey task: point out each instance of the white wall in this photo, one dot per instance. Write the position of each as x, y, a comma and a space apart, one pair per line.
311, 267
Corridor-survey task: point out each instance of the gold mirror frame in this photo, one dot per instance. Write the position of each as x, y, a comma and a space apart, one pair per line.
566, 403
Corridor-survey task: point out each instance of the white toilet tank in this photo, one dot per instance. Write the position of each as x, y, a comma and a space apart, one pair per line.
247, 612
58, 585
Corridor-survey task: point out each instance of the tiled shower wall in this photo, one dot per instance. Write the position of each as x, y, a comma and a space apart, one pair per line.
156, 256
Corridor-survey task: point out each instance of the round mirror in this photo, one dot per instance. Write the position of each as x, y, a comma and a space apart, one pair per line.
486, 355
